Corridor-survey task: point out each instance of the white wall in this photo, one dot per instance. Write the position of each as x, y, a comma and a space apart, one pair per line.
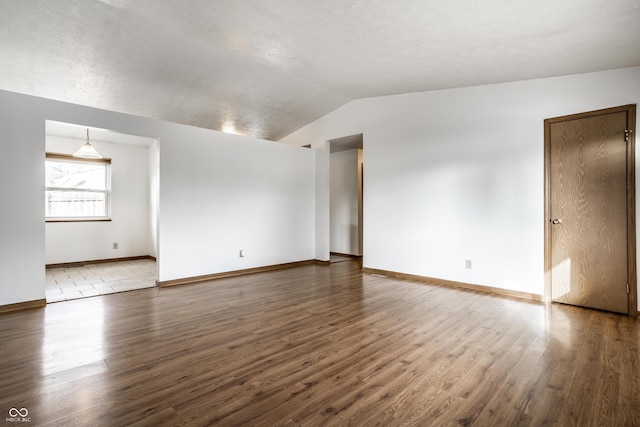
218, 193
21, 196
344, 218
218, 196
154, 192
458, 174
129, 225
322, 217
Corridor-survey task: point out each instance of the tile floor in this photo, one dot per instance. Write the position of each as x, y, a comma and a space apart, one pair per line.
66, 283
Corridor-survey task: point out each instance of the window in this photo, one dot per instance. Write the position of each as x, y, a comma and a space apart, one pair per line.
77, 189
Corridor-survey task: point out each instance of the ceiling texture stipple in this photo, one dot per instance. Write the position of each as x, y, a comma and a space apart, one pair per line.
268, 67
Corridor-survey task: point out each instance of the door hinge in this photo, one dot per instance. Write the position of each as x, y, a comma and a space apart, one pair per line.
627, 134
627, 289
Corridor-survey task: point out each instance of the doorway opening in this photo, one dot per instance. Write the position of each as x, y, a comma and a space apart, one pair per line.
590, 236
346, 185
116, 250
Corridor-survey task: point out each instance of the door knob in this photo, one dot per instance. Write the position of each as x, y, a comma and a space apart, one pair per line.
556, 221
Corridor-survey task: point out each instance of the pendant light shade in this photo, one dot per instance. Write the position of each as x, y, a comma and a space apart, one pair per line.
87, 151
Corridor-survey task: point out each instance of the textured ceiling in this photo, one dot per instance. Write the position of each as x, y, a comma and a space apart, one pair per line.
68, 130
268, 67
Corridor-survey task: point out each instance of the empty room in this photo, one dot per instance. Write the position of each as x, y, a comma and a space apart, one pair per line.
297, 213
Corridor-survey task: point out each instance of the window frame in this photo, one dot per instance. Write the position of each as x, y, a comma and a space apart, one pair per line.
107, 191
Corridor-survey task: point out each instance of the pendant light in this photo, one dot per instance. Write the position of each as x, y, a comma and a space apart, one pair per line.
87, 151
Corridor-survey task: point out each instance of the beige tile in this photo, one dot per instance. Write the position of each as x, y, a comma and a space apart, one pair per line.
101, 286
147, 283
68, 287
77, 288
74, 274
90, 292
112, 283
121, 288
55, 298
117, 276
72, 295
88, 282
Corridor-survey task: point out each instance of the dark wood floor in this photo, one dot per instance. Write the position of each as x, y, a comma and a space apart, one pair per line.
318, 345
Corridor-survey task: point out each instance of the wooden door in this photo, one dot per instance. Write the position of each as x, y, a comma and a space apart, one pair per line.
590, 235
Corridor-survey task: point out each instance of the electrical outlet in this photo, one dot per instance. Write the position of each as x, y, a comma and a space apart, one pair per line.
241, 253
467, 264
115, 245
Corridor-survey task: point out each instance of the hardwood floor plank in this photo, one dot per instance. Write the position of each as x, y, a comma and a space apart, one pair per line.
628, 411
317, 345
546, 395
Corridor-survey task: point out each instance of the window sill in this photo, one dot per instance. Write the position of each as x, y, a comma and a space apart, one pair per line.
77, 219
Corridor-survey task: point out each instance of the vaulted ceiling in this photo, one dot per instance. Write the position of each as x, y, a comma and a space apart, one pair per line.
268, 67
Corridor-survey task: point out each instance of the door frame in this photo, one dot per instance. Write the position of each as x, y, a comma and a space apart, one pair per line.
632, 296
